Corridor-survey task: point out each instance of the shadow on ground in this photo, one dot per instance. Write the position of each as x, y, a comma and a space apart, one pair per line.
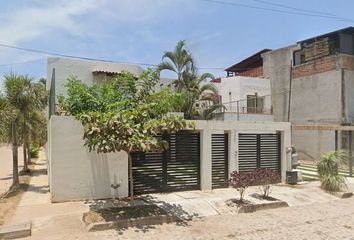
147, 200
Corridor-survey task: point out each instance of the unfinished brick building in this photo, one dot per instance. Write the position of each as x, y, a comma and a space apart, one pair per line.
318, 76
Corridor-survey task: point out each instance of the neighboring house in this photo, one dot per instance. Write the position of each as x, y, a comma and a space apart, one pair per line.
245, 92
318, 74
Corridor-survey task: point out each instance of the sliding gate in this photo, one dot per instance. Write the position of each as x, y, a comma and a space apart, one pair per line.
176, 169
259, 151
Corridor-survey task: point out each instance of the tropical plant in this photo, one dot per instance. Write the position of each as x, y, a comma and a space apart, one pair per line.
328, 171
178, 61
8, 123
124, 114
26, 99
201, 97
265, 178
34, 151
241, 181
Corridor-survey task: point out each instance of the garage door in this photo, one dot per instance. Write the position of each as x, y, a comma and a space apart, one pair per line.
177, 169
259, 151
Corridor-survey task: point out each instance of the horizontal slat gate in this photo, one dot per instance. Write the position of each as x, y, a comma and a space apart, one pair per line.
219, 158
259, 151
176, 169
147, 172
270, 151
247, 156
183, 162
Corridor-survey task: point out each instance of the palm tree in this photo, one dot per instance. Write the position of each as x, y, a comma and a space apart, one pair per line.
8, 122
27, 97
177, 61
199, 92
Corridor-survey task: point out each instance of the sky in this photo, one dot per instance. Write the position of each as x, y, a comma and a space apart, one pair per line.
218, 35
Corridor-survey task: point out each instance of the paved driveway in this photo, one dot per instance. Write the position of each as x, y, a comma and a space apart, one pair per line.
193, 204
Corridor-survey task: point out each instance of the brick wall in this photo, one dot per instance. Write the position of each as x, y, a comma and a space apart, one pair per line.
316, 66
347, 61
254, 72
323, 64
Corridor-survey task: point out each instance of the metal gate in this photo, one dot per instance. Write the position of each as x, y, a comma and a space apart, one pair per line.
219, 160
176, 169
259, 151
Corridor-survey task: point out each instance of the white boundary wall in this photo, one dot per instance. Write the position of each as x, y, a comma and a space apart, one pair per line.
77, 174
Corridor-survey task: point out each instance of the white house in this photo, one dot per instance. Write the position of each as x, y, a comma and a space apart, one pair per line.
245, 93
198, 159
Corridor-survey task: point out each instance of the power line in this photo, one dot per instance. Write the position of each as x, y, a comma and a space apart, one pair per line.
71, 56
86, 58
292, 8
278, 10
24, 62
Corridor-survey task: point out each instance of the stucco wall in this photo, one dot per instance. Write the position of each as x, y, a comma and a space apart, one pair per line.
245, 117
312, 144
349, 95
65, 68
75, 173
276, 66
316, 98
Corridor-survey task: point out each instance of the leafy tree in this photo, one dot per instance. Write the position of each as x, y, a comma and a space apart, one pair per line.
178, 61
124, 114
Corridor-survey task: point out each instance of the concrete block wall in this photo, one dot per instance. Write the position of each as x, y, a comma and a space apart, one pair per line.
77, 174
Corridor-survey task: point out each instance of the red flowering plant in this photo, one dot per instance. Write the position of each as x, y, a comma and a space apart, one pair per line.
265, 178
241, 181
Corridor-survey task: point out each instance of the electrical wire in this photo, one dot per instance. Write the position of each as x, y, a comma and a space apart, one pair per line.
85, 58
292, 8
24, 62
278, 10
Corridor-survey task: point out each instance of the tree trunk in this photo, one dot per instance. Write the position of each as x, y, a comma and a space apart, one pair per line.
25, 147
29, 160
130, 169
25, 165
15, 180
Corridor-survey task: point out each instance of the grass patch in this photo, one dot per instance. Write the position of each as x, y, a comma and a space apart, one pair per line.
112, 214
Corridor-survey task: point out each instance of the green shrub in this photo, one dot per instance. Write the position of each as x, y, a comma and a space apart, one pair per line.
327, 169
34, 151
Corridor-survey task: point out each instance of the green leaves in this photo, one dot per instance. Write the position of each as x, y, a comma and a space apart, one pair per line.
124, 114
328, 170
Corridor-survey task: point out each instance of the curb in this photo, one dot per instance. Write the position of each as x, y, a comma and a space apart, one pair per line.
132, 222
342, 194
16, 231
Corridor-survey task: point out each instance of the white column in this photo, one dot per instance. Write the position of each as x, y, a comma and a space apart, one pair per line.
285, 153
205, 160
233, 151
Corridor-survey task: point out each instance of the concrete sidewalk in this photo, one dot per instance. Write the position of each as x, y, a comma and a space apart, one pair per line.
202, 204
6, 166
36, 206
